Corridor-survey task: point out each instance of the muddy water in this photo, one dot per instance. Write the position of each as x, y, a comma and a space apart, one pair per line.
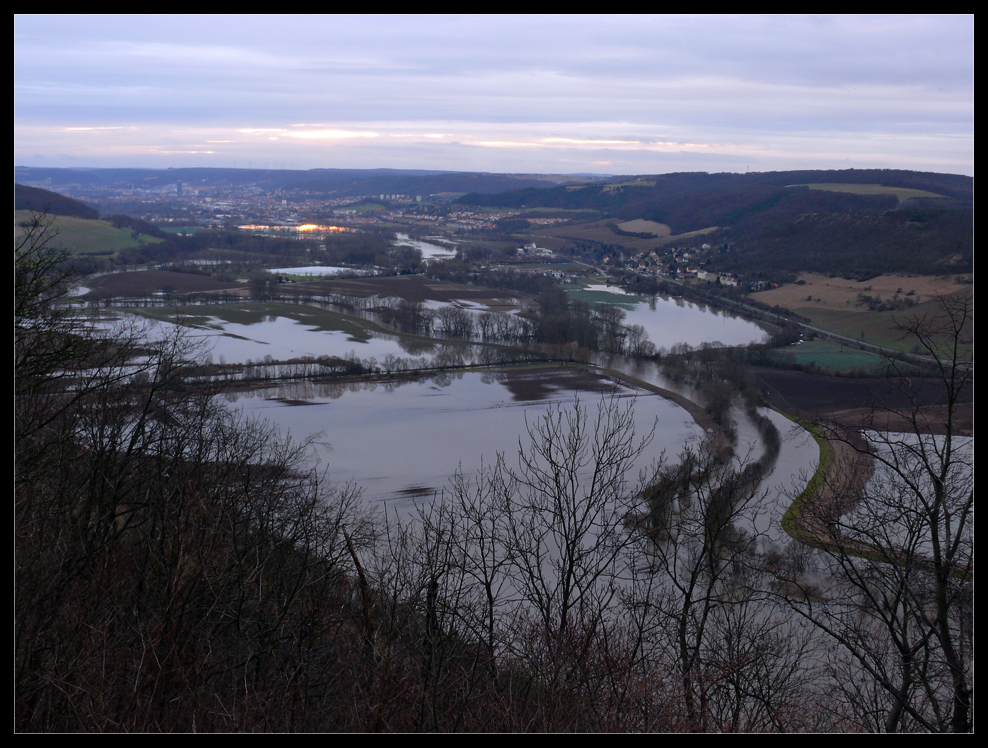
401, 443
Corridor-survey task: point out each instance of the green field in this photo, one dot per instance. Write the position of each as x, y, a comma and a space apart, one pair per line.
877, 328
566, 267
603, 297
901, 193
367, 207
832, 356
186, 229
641, 225
86, 236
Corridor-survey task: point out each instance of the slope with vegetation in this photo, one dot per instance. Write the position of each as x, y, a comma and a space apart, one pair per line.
774, 223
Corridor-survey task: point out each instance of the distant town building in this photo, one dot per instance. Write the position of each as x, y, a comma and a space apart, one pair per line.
530, 250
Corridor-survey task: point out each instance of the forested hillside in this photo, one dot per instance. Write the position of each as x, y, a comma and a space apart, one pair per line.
774, 222
45, 201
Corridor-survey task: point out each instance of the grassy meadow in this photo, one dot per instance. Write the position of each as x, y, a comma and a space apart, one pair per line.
832, 356
901, 193
86, 236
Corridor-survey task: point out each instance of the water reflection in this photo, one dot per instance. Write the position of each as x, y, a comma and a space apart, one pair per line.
428, 250
402, 440
672, 321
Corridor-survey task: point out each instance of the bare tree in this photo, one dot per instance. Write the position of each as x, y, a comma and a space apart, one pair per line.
900, 554
703, 605
565, 508
177, 567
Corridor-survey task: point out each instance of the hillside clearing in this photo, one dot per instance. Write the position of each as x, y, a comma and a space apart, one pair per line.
901, 193
89, 236
640, 225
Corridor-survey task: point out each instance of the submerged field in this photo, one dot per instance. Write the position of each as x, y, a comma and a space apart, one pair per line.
402, 441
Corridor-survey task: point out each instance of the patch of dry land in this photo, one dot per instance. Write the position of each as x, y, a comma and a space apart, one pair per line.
839, 294
600, 231
641, 226
901, 193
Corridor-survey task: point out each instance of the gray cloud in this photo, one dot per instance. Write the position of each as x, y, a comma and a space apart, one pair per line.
780, 90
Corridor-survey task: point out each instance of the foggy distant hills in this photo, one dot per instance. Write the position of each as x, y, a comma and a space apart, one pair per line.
329, 182
352, 182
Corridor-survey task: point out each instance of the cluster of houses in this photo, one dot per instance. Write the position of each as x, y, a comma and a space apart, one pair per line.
680, 264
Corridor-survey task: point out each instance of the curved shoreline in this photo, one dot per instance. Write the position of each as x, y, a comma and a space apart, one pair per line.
832, 491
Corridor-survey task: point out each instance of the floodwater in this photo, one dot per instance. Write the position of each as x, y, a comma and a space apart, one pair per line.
283, 338
429, 250
891, 495
672, 321
412, 437
401, 443
798, 457
322, 270
667, 322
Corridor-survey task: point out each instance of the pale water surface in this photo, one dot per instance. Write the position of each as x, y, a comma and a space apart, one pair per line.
402, 443
671, 321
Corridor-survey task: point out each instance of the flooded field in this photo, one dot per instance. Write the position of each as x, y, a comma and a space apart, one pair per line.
430, 250
402, 442
318, 271
672, 321
238, 333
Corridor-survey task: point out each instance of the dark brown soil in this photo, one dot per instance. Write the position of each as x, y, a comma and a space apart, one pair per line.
861, 403
147, 282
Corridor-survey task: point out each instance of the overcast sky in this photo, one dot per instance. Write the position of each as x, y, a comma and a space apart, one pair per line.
551, 94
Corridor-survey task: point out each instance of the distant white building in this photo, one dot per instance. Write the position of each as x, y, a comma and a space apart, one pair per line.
530, 250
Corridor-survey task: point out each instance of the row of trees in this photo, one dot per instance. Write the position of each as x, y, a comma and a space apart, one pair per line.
558, 320
178, 568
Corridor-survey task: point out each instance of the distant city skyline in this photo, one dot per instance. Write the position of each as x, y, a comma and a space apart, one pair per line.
519, 94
